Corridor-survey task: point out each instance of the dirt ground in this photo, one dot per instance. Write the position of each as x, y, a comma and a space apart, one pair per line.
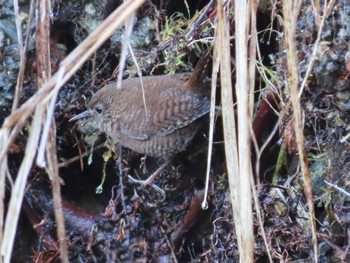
109, 223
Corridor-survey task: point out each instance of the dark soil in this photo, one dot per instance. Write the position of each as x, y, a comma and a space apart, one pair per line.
102, 227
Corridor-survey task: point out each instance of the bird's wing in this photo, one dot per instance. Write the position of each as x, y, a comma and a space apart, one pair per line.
135, 124
173, 109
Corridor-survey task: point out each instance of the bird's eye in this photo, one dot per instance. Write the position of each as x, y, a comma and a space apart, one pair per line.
99, 109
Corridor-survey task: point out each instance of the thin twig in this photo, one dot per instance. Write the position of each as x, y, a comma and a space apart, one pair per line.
337, 188
81, 155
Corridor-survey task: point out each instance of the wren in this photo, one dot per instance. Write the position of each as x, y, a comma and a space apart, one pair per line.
157, 117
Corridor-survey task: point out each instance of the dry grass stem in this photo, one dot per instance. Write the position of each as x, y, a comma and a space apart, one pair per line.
125, 46
290, 13
253, 46
23, 51
228, 114
49, 142
214, 76
327, 9
246, 235
17, 193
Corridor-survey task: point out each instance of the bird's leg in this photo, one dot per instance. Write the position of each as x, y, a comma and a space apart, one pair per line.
149, 180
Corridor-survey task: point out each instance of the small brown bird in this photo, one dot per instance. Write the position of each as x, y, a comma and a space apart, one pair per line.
156, 116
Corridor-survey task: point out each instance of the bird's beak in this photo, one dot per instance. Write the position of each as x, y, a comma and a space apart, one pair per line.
84, 114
